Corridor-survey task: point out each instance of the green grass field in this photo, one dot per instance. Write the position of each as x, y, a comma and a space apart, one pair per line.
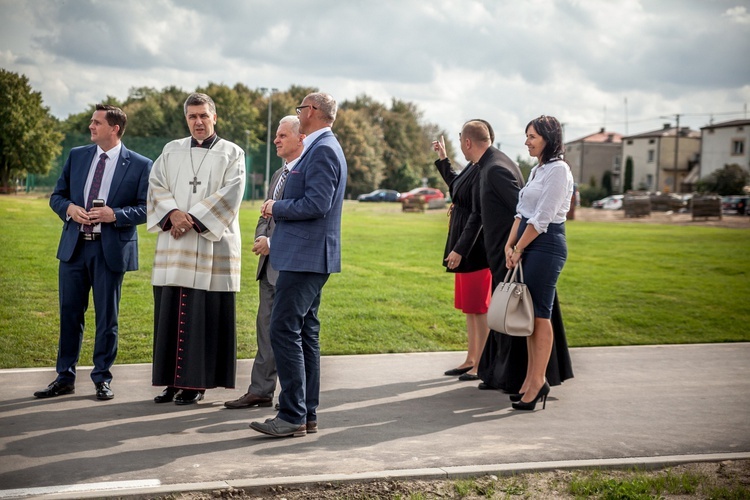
623, 284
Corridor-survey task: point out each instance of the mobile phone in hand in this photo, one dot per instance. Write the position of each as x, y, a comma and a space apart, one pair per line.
97, 203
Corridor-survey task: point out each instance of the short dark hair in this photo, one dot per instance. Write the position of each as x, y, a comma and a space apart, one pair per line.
114, 116
551, 131
197, 99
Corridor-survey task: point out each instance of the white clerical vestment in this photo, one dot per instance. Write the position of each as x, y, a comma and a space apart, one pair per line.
210, 189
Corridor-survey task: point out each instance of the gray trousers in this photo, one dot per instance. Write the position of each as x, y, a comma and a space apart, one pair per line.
263, 376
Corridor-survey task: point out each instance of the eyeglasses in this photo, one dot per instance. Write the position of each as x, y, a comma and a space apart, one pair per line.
299, 109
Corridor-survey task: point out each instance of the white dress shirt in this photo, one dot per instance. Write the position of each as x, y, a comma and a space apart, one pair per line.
546, 197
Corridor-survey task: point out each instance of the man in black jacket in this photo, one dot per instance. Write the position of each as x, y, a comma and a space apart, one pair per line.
504, 359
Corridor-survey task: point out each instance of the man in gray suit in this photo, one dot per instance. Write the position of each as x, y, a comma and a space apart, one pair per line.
306, 250
263, 377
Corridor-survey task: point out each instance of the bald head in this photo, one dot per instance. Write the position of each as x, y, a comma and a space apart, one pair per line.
475, 139
477, 131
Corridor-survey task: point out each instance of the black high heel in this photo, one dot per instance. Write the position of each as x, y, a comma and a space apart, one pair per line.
542, 394
516, 397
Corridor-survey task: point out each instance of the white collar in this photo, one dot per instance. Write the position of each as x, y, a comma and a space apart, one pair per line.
314, 135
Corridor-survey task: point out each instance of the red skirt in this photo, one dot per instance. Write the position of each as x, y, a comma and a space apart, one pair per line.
473, 291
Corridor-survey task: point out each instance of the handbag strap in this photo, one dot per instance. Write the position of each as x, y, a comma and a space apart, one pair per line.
510, 276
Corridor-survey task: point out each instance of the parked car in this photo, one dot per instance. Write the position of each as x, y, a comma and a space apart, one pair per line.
734, 204
613, 202
664, 202
380, 195
425, 193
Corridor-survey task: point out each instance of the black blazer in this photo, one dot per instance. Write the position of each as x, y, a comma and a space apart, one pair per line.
501, 180
465, 229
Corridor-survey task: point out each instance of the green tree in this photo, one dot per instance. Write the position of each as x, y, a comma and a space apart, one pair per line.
362, 142
726, 181
407, 143
525, 166
29, 136
235, 110
385, 147
153, 113
627, 184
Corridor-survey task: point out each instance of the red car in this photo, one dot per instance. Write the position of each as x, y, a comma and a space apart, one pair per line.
426, 194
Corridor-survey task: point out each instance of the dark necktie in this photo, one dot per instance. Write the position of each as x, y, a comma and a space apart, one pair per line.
280, 184
96, 183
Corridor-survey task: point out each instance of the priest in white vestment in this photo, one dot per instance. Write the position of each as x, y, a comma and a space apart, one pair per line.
195, 191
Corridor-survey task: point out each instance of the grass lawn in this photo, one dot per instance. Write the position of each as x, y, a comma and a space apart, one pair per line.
623, 284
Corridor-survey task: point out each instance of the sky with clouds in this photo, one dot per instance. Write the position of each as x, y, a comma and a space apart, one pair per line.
620, 64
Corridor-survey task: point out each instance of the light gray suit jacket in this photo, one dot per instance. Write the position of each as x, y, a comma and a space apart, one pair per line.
265, 228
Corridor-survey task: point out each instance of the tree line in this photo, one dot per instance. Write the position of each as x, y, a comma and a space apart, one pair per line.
386, 146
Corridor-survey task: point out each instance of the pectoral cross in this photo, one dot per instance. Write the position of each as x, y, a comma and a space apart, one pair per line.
195, 182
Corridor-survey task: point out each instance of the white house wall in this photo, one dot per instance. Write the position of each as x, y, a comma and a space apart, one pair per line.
642, 168
717, 149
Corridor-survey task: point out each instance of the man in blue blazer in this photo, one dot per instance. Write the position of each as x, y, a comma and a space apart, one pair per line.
306, 249
100, 197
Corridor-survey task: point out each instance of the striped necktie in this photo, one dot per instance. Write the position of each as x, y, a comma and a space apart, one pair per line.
280, 185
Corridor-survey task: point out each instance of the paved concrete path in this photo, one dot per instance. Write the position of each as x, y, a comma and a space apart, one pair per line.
391, 415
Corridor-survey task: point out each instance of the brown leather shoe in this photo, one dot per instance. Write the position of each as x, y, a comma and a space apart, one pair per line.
248, 401
312, 427
277, 427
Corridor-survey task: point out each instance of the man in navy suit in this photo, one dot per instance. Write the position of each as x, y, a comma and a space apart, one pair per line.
306, 249
263, 378
100, 197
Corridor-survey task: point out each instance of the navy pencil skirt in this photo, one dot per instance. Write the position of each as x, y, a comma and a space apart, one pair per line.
543, 261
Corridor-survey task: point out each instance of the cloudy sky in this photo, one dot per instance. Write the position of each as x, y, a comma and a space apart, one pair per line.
619, 64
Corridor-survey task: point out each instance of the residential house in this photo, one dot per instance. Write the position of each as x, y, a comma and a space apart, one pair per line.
661, 157
591, 156
724, 144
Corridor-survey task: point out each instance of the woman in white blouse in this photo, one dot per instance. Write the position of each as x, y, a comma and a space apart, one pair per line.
538, 236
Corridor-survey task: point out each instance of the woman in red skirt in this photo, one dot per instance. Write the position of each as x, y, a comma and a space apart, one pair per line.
464, 250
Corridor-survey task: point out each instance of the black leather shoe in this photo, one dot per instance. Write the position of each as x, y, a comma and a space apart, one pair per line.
188, 397
468, 376
103, 392
55, 389
167, 395
457, 371
486, 387
540, 396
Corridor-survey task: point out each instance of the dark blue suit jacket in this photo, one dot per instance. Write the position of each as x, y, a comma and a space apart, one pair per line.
127, 197
307, 236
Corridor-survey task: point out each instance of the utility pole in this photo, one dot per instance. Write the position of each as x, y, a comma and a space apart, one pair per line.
268, 139
249, 167
676, 151
626, 116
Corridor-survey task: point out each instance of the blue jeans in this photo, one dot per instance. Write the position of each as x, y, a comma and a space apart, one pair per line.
295, 331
